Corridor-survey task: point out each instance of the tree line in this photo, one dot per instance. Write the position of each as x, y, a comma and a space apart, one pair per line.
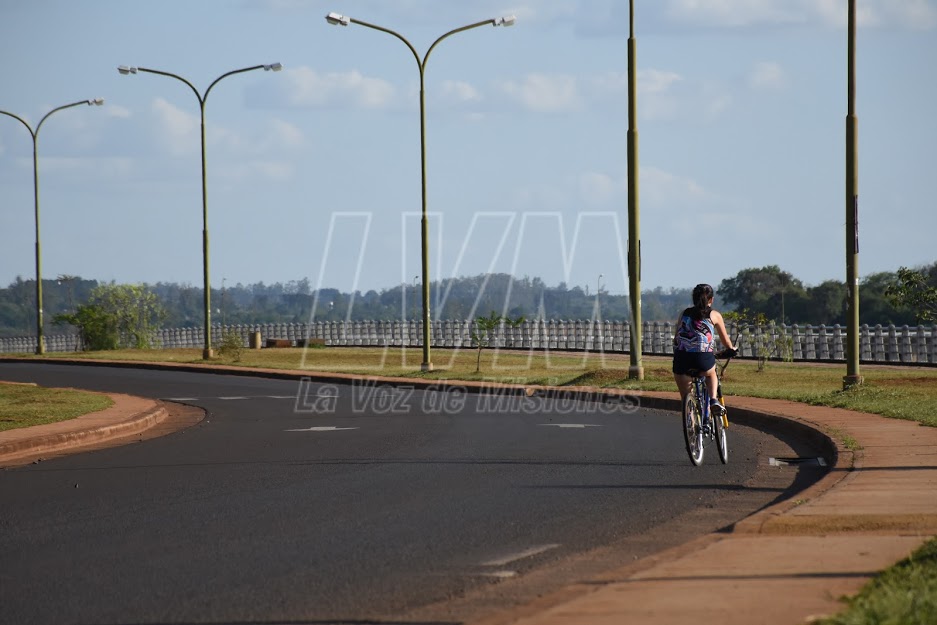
767, 291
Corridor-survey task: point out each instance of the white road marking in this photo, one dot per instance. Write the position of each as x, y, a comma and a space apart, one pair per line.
238, 397
571, 425
321, 428
499, 574
520, 555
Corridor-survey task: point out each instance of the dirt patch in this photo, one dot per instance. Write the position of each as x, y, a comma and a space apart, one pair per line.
600, 377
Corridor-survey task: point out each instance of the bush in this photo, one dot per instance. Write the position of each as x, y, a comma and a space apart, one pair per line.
231, 345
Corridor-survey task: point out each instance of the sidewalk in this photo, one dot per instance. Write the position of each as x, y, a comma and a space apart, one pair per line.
781, 566
787, 563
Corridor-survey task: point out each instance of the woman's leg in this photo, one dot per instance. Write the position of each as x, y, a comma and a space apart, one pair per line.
684, 382
712, 384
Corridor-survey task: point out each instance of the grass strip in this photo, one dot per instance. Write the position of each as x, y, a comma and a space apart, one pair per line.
905, 594
23, 405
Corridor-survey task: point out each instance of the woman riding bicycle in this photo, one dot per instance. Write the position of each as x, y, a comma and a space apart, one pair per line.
694, 344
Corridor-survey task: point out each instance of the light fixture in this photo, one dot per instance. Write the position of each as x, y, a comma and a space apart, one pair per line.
336, 19
507, 20
123, 69
273, 67
96, 101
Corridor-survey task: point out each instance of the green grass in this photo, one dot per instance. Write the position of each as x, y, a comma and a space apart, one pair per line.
23, 405
905, 594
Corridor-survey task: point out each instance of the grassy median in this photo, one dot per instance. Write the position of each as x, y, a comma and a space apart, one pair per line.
25, 405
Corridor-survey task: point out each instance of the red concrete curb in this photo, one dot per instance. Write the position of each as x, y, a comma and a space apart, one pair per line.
81, 432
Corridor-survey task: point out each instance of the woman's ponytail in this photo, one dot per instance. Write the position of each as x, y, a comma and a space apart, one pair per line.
702, 297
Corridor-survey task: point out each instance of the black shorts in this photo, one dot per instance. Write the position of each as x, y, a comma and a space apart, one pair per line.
683, 362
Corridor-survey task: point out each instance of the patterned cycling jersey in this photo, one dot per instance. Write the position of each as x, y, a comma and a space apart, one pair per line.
695, 335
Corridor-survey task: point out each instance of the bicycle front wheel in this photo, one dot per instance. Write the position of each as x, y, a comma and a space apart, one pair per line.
693, 429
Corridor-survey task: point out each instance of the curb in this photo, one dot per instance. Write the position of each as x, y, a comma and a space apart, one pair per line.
26, 449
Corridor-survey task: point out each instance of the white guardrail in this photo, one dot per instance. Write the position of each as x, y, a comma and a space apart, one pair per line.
878, 343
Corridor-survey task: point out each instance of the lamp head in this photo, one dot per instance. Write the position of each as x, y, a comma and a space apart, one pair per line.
273, 67
123, 69
507, 20
336, 19
96, 102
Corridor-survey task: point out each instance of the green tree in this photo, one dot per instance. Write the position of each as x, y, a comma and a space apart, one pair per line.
765, 290
913, 291
481, 334
117, 315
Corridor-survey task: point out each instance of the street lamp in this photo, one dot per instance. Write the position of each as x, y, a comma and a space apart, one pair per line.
274, 67
852, 377
636, 370
343, 20
40, 337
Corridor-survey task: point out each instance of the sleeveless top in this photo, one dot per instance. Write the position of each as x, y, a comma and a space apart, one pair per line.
695, 335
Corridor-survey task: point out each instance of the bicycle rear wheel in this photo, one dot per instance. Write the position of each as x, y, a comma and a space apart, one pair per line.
693, 429
721, 441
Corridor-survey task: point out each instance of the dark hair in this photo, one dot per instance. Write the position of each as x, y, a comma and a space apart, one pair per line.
702, 294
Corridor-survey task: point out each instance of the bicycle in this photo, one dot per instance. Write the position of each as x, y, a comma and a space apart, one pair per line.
697, 422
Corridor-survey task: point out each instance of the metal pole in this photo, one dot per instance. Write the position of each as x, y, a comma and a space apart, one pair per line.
636, 369
207, 352
40, 334
852, 377
427, 364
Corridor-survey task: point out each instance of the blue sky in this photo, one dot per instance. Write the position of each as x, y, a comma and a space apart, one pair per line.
314, 172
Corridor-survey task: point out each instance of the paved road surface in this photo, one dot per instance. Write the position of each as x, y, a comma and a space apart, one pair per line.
348, 504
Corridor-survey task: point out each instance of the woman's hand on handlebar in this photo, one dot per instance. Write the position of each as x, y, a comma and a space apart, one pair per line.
728, 352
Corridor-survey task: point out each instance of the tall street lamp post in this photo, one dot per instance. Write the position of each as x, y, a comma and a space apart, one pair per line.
343, 20
125, 70
852, 377
40, 336
636, 369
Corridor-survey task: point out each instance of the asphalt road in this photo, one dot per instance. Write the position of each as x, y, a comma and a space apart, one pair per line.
310, 503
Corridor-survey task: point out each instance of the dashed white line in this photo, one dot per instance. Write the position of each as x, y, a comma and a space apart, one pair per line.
520, 555
321, 428
571, 425
498, 574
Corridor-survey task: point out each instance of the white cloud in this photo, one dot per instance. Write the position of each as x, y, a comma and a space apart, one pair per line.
662, 188
767, 75
304, 87
272, 170
179, 134
85, 168
460, 91
178, 130
656, 97
543, 93
114, 110
286, 134
599, 189
910, 14
733, 13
